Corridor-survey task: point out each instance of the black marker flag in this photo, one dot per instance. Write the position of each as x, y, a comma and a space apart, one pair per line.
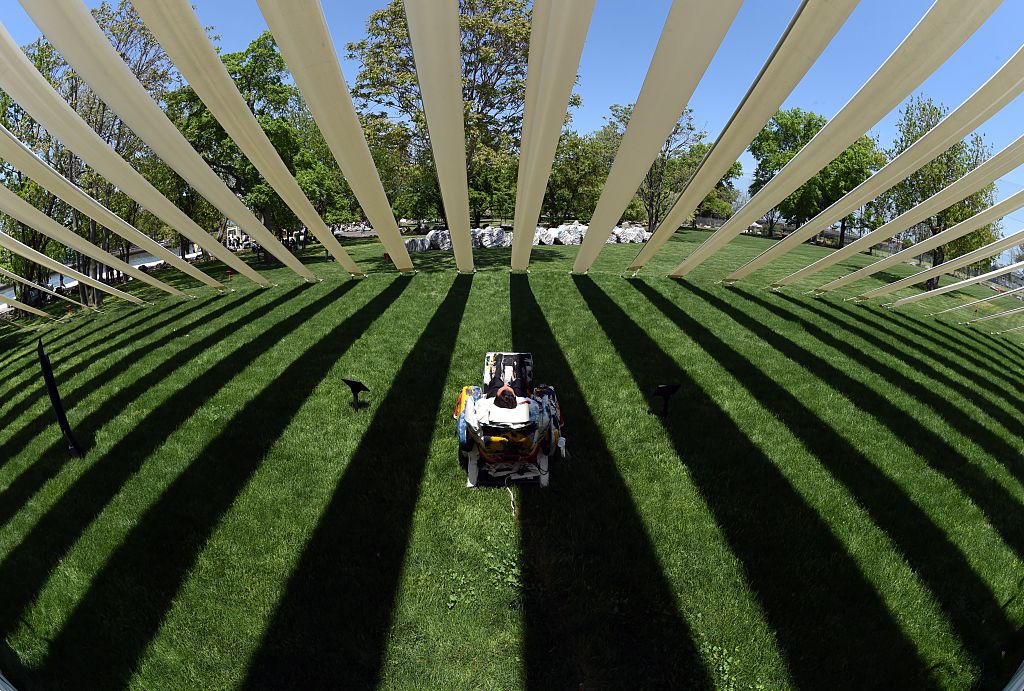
62, 419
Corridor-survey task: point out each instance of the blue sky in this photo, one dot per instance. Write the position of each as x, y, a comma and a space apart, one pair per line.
623, 35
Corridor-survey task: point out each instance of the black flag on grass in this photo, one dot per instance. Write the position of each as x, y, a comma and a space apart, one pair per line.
62, 419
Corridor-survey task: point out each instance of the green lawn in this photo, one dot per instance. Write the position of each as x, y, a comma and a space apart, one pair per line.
834, 500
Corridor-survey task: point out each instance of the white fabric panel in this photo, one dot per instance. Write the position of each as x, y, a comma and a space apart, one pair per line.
434, 33
15, 277
179, 32
72, 30
22, 82
989, 215
996, 273
1006, 331
974, 303
21, 157
22, 306
539, 21
16, 207
809, 32
992, 97
22, 250
997, 315
972, 257
994, 168
558, 30
301, 33
940, 32
689, 40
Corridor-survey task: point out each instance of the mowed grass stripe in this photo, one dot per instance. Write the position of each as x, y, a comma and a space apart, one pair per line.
918, 520
761, 512
457, 620
27, 378
176, 506
359, 545
134, 387
623, 510
459, 609
260, 538
101, 366
150, 424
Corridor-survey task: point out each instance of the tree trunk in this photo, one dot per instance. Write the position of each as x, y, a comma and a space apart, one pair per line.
938, 257
842, 233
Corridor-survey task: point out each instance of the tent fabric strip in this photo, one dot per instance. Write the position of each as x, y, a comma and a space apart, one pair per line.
558, 30
998, 315
23, 83
24, 281
992, 213
22, 250
301, 33
1002, 88
995, 273
434, 34
995, 167
17, 208
972, 257
177, 29
811, 29
945, 27
22, 306
21, 157
975, 303
72, 30
689, 40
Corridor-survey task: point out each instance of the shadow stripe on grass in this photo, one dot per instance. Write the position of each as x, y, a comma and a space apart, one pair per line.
994, 500
965, 598
1010, 422
808, 584
33, 389
967, 340
45, 419
117, 622
16, 338
997, 447
26, 568
599, 611
330, 628
71, 349
25, 485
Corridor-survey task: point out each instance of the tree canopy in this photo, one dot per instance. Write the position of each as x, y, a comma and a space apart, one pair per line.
918, 116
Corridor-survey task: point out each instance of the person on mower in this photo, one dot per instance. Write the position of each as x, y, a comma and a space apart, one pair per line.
497, 385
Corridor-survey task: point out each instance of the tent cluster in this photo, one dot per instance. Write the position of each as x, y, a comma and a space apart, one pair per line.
495, 236
690, 38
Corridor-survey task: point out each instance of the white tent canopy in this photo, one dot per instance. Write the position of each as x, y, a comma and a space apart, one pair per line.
940, 32
72, 29
809, 33
692, 33
997, 92
24, 281
179, 32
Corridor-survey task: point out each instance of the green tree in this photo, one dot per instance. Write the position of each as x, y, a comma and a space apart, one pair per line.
495, 46
494, 51
675, 163
721, 200
918, 116
577, 175
261, 76
147, 61
779, 140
